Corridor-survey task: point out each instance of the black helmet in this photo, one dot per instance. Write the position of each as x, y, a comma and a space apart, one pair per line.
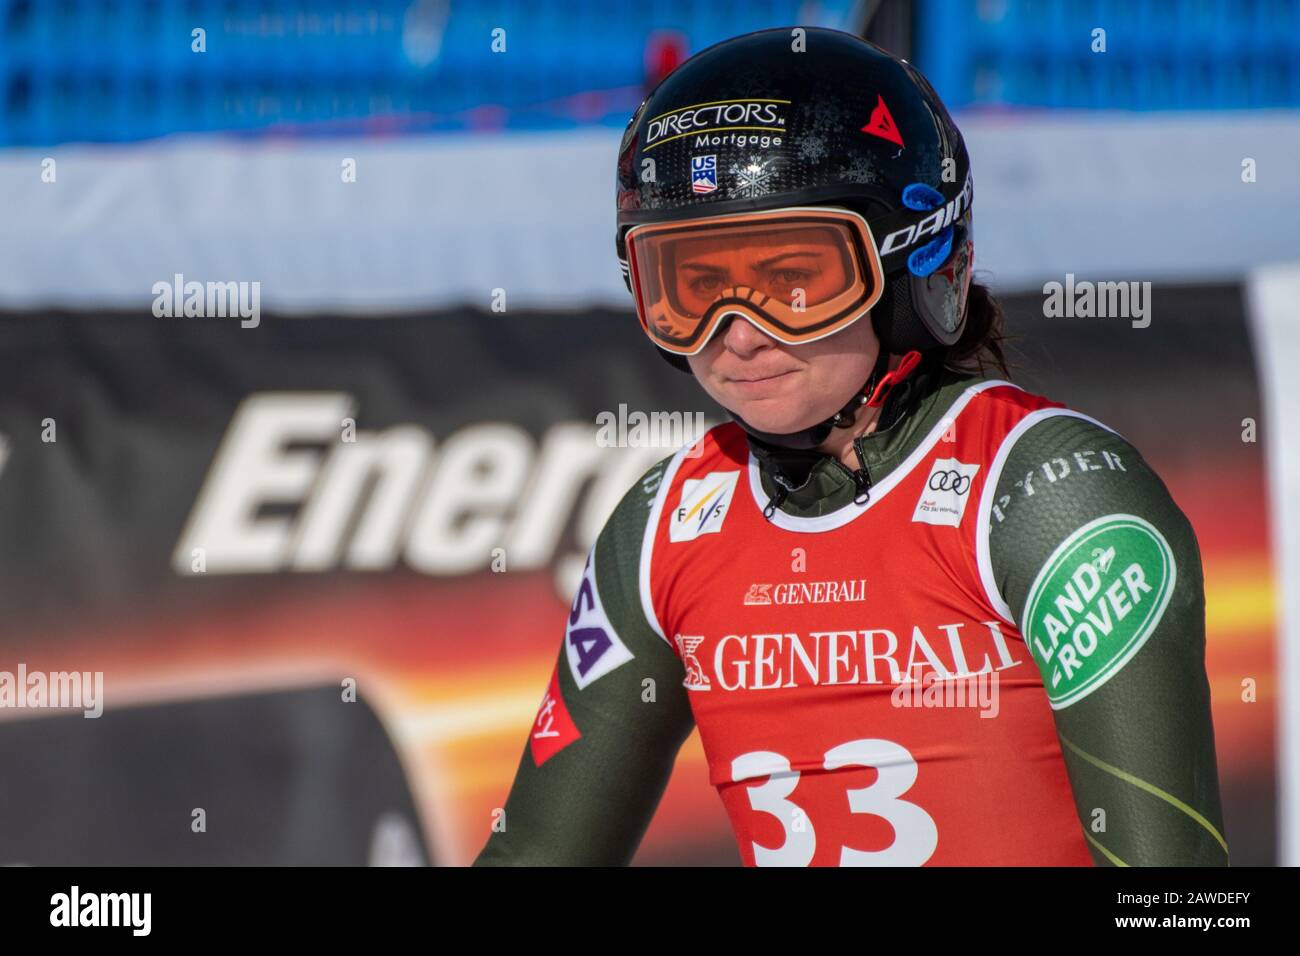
805, 117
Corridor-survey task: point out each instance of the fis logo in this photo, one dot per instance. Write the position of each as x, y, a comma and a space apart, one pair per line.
704, 173
703, 505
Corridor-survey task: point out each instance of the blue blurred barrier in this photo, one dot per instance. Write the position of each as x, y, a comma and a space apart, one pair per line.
124, 70
1159, 54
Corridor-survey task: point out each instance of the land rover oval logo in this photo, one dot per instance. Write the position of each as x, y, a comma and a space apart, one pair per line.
1095, 602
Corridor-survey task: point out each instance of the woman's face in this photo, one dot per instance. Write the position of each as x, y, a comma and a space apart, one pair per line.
784, 388
773, 386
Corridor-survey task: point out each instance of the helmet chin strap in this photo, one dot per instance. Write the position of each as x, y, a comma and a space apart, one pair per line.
872, 394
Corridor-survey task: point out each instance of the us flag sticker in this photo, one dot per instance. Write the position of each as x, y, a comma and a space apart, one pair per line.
704, 173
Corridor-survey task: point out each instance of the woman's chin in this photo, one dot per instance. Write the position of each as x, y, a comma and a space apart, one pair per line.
774, 421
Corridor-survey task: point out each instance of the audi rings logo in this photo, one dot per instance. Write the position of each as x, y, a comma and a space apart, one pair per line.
944, 495
953, 481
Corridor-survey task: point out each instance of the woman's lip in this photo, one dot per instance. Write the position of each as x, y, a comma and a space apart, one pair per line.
761, 387
765, 378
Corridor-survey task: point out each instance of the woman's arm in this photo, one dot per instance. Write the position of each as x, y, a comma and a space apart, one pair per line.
602, 747
1103, 574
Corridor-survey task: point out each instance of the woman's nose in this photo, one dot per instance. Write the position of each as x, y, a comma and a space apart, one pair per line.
740, 336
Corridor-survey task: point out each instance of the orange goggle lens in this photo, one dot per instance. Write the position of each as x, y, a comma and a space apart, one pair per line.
797, 274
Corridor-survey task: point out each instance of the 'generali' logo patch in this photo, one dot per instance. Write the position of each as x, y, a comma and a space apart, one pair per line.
810, 592
862, 655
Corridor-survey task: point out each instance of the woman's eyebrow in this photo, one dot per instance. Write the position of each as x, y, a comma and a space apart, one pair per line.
761, 264
764, 263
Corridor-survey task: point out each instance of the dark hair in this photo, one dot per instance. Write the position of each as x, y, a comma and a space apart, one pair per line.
980, 347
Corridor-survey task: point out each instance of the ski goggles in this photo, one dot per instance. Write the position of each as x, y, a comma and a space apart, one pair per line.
798, 274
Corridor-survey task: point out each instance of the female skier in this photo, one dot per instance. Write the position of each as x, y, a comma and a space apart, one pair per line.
919, 616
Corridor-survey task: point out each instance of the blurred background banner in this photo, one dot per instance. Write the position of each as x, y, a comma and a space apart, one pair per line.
322, 549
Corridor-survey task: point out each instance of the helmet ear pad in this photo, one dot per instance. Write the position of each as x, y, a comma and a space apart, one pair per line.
925, 312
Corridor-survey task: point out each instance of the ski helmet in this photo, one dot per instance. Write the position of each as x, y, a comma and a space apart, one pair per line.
793, 118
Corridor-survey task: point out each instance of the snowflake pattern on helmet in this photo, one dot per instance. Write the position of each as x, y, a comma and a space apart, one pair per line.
861, 170
752, 179
929, 169
753, 78
826, 116
812, 149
